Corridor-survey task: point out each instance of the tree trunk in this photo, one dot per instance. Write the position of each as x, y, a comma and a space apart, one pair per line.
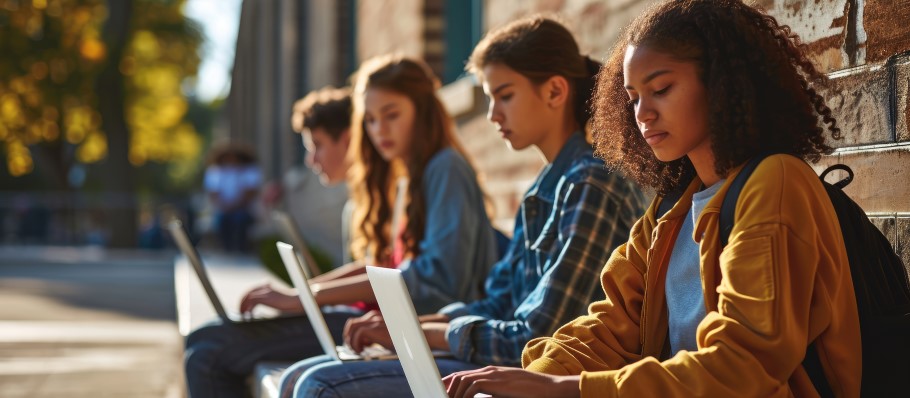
121, 211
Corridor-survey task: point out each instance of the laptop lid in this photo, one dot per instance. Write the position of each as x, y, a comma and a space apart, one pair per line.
186, 247
407, 336
314, 313
286, 222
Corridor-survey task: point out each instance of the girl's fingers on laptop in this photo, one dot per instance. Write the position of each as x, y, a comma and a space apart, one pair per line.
248, 301
509, 382
369, 332
355, 323
268, 296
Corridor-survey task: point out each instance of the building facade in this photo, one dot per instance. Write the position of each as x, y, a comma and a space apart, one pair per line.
863, 45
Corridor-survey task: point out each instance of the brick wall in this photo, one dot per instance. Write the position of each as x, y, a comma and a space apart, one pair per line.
862, 44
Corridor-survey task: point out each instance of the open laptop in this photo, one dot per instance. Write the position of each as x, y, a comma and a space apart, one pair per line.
314, 313
284, 220
186, 247
407, 336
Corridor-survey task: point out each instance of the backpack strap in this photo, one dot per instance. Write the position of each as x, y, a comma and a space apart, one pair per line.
669, 200
728, 207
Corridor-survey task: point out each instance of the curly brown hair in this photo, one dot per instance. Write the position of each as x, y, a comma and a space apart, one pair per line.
758, 80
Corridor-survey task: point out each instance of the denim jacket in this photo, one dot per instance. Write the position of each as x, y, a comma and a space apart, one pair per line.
458, 244
570, 220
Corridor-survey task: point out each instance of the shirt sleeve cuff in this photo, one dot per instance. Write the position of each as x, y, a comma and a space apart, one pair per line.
455, 310
458, 335
599, 384
547, 366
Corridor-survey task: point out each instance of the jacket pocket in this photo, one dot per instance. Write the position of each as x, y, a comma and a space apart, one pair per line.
748, 286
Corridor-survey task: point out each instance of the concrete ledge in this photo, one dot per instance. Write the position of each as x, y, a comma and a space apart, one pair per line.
266, 378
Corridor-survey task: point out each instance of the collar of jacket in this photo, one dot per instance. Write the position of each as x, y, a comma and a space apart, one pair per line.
654, 322
545, 185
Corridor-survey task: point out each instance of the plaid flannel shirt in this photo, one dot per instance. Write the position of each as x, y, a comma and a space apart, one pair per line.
570, 221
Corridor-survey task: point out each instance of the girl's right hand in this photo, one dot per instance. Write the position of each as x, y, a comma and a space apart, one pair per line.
268, 296
366, 330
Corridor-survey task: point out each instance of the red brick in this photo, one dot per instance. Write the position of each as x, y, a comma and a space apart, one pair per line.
885, 23
385, 26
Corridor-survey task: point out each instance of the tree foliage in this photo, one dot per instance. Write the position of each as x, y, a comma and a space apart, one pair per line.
52, 55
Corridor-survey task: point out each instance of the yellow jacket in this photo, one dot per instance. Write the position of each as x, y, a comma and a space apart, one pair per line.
781, 282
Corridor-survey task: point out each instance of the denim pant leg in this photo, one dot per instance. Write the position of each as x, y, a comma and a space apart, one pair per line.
365, 379
220, 357
290, 375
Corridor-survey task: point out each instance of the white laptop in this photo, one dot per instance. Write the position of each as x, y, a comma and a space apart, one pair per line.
407, 336
284, 220
186, 247
339, 352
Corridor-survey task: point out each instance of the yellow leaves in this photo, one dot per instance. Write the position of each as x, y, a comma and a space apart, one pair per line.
51, 131
93, 149
185, 142
79, 121
145, 46
176, 143
53, 54
92, 49
11, 111
158, 80
18, 158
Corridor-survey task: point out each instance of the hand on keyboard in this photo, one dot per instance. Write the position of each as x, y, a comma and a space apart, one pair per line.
370, 351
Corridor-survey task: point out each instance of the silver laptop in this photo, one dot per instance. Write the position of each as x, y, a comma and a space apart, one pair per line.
314, 313
186, 247
286, 222
407, 336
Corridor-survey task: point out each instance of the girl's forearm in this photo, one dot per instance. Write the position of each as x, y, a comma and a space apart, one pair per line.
343, 290
347, 270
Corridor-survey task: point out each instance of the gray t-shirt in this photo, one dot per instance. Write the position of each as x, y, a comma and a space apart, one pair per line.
685, 299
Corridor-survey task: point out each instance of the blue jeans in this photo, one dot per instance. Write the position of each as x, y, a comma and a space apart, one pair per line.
323, 377
233, 229
220, 357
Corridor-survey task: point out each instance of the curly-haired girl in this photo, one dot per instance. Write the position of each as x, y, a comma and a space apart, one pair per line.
693, 90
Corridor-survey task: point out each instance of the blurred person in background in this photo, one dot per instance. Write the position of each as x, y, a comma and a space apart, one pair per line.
232, 182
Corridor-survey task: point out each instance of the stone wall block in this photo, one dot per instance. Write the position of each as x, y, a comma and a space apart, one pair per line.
902, 103
881, 183
821, 24
860, 100
888, 226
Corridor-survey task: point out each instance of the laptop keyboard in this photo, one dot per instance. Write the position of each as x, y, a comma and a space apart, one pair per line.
371, 351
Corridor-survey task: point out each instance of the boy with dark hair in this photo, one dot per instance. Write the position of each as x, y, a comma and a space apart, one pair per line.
220, 357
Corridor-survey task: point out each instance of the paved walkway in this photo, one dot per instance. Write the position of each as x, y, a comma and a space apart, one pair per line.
88, 323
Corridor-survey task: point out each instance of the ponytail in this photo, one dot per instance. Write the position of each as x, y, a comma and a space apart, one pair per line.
584, 92
539, 48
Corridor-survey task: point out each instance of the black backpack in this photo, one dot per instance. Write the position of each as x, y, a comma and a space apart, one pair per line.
879, 281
